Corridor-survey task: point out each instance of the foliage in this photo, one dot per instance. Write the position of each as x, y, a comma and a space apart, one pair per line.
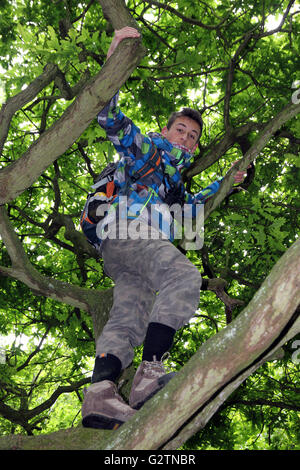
236, 61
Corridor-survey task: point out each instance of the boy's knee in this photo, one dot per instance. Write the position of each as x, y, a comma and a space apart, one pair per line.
184, 269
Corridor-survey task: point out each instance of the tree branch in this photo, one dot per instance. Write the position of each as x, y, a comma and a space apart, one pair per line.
17, 177
22, 418
230, 77
206, 412
96, 303
288, 112
223, 362
36, 351
269, 33
185, 18
18, 101
196, 392
116, 12
263, 402
216, 150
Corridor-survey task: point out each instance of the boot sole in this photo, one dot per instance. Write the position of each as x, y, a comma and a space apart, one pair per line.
162, 381
101, 422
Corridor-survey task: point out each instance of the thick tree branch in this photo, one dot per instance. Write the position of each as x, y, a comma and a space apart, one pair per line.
20, 175
79, 241
221, 364
96, 303
116, 12
206, 412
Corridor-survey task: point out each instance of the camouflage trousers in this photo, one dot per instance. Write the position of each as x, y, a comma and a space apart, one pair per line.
154, 282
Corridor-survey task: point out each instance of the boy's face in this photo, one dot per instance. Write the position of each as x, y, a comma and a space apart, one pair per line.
184, 132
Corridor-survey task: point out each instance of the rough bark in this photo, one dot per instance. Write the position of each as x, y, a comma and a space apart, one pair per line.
221, 364
117, 14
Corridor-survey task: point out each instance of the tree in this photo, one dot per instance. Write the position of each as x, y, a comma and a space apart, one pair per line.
54, 290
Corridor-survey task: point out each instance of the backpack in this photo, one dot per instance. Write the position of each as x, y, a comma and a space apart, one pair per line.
105, 192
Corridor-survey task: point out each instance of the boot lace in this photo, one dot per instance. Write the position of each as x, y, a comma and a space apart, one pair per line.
157, 368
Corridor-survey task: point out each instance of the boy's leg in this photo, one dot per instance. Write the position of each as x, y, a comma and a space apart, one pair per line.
127, 323
177, 282
151, 375
103, 407
158, 340
161, 269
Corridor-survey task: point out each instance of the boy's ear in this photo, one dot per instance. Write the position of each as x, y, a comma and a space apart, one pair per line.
164, 130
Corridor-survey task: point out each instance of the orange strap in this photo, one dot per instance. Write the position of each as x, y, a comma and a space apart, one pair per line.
110, 188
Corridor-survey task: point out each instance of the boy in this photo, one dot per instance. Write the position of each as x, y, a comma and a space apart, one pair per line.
156, 287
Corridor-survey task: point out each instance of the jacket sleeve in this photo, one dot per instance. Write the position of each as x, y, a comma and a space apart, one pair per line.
122, 132
203, 196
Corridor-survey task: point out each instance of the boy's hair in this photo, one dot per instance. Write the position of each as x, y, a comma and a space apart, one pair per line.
188, 112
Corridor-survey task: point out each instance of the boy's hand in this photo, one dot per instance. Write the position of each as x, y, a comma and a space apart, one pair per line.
240, 175
120, 34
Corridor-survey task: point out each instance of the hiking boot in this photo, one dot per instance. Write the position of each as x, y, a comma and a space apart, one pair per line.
149, 378
103, 408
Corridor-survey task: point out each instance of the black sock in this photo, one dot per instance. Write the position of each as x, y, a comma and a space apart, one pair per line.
106, 367
159, 339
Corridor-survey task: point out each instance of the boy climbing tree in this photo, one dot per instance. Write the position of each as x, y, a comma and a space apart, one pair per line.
156, 287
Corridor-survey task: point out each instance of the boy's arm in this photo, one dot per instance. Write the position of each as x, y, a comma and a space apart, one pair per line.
120, 130
203, 196
195, 202
208, 192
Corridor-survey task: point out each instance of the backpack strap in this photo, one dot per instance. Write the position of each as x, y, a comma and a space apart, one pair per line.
149, 167
105, 176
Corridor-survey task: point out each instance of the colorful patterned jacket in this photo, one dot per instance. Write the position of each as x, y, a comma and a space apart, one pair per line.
134, 149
